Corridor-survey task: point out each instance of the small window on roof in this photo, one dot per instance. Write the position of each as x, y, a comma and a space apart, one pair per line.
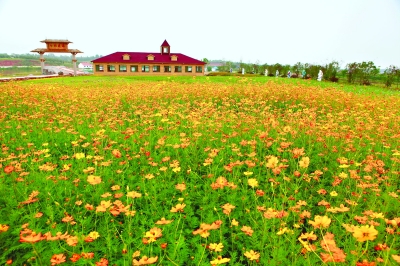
150, 57
174, 58
126, 57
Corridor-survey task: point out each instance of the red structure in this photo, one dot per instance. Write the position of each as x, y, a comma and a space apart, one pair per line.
148, 63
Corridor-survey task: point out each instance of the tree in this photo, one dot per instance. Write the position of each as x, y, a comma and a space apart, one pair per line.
331, 71
205, 60
352, 72
390, 74
297, 68
367, 70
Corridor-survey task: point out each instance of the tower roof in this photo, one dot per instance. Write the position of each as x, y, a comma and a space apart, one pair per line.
165, 43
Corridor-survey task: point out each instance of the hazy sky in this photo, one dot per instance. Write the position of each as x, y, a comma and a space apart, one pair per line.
286, 32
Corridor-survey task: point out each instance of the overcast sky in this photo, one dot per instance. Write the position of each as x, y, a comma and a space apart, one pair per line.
286, 32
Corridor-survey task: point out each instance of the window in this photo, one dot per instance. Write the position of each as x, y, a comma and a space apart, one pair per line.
188, 69
99, 68
199, 69
125, 57
134, 69
165, 50
156, 68
111, 68
122, 68
178, 69
150, 57
174, 58
167, 69
145, 68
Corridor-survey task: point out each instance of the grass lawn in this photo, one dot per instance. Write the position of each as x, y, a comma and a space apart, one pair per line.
198, 171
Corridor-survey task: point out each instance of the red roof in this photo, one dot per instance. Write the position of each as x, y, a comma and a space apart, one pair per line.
165, 43
138, 57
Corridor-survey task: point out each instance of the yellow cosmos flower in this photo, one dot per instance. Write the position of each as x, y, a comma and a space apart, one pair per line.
178, 208
94, 180
252, 255
219, 260
364, 233
304, 162
94, 235
79, 156
234, 222
216, 247
320, 222
252, 182
272, 162
4, 228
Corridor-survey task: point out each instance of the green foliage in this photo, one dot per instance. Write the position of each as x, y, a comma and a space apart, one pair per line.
391, 75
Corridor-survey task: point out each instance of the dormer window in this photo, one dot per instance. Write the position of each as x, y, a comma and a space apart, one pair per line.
174, 58
126, 57
150, 57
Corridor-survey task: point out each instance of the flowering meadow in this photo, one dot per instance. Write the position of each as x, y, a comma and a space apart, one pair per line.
198, 171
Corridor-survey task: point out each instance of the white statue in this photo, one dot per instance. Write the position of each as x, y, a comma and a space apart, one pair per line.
320, 75
277, 73
242, 71
266, 73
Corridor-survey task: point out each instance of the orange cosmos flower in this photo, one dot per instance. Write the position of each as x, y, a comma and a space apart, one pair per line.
145, 261
75, 257
31, 238
320, 222
247, 230
365, 263
227, 208
260, 192
164, 221
252, 255
9, 169
72, 241
364, 233
102, 262
57, 259
116, 153
178, 208
180, 187
89, 207
87, 255
94, 180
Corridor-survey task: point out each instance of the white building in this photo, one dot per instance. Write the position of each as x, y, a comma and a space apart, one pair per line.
85, 65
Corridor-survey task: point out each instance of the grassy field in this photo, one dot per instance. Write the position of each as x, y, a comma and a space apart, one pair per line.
198, 171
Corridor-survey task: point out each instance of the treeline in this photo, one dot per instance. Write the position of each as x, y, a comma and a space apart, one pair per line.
364, 73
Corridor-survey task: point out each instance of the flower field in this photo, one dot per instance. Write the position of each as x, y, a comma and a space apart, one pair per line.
101, 171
